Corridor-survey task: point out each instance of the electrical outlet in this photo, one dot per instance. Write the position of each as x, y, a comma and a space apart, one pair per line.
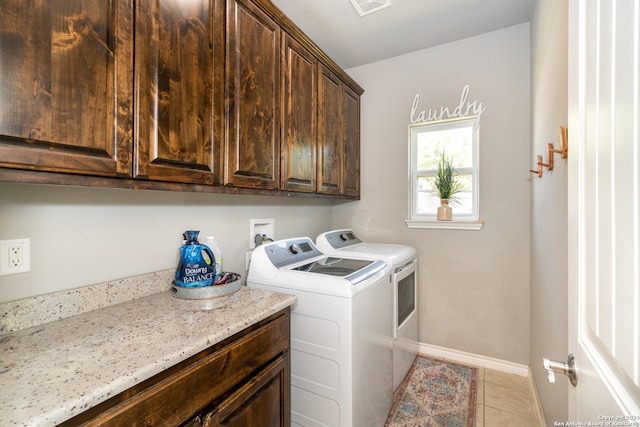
15, 256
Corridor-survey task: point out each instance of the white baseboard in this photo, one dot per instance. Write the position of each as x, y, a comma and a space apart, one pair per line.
536, 401
473, 359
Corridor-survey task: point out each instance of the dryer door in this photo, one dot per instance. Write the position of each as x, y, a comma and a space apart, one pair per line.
405, 294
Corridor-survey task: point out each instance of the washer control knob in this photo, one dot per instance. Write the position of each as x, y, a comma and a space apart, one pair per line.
294, 249
343, 237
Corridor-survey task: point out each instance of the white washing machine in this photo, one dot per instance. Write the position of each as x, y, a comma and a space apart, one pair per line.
404, 263
341, 343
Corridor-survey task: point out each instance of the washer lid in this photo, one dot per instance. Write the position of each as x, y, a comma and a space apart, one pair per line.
353, 270
300, 255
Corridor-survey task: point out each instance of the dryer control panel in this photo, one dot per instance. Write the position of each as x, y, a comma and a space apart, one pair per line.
342, 238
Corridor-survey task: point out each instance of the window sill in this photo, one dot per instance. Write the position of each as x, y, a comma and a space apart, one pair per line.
446, 225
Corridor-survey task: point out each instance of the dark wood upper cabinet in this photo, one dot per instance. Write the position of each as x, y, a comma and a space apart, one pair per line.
338, 165
199, 95
330, 131
179, 90
252, 97
65, 86
351, 125
299, 115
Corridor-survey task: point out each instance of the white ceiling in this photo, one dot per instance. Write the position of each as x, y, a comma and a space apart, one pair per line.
406, 26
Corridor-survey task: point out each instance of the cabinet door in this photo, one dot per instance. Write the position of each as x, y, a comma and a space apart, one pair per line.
178, 114
330, 131
351, 159
65, 86
263, 401
299, 112
338, 136
253, 97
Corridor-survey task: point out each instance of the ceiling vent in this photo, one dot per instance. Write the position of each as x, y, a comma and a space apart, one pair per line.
365, 7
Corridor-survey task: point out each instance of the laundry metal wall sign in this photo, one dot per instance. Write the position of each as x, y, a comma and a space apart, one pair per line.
463, 109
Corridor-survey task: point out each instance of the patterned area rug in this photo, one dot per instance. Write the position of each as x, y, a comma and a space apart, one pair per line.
435, 393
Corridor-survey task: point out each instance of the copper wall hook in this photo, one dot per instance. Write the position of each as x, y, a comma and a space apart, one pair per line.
550, 152
563, 151
539, 170
564, 144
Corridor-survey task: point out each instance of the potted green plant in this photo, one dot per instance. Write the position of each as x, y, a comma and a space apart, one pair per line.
445, 186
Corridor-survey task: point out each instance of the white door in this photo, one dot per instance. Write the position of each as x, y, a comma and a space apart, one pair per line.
604, 210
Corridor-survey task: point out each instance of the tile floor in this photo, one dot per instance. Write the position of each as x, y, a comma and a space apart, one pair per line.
505, 400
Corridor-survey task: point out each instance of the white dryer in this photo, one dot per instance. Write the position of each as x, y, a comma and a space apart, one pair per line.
404, 263
341, 343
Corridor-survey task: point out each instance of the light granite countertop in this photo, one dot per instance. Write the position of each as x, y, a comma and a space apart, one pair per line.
54, 371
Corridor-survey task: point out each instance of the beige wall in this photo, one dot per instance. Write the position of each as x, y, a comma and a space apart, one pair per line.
474, 285
83, 236
549, 326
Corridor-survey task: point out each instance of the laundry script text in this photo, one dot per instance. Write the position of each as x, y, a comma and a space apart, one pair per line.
463, 109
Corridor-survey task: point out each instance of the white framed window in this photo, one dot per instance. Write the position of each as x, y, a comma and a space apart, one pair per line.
458, 140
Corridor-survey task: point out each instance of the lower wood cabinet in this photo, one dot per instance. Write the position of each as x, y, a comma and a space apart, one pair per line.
258, 403
242, 381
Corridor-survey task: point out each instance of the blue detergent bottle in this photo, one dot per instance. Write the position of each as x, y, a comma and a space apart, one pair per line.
197, 265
